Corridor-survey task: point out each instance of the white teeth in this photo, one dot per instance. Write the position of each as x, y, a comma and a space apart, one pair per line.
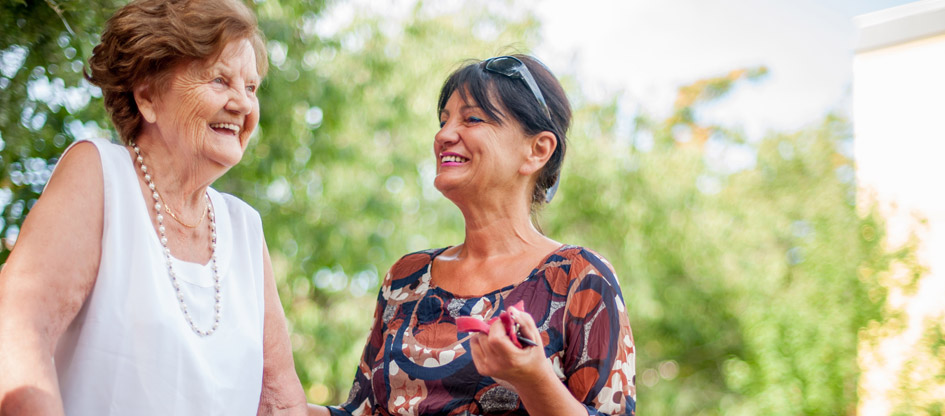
228, 126
453, 159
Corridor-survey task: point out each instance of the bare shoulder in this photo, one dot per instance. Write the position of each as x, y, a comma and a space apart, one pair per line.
55, 259
80, 168
72, 204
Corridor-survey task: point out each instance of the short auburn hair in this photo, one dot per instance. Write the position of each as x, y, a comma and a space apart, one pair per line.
145, 39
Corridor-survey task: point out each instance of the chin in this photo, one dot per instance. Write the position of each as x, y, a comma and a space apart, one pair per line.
227, 153
441, 185
227, 157
231, 160
448, 189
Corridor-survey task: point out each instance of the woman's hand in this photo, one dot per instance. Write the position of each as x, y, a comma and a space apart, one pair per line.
496, 356
525, 370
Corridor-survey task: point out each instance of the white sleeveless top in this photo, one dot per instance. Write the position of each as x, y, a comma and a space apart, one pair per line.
129, 350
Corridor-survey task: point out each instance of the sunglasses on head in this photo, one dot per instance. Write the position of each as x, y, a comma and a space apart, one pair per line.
513, 67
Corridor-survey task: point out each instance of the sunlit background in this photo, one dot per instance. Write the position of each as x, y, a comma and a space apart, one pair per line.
647, 49
716, 159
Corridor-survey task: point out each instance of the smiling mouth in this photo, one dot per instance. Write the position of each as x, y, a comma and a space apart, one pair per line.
456, 159
225, 128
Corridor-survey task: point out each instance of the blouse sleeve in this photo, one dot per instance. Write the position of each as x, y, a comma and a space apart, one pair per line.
599, 356
361, 397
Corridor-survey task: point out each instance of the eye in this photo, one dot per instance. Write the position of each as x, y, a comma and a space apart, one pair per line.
251, 89
474, 120
219, 80
442, 123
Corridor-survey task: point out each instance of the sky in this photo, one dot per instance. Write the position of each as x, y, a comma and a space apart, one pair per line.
643, 50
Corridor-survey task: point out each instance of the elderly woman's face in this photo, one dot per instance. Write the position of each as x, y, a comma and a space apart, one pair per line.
211, 106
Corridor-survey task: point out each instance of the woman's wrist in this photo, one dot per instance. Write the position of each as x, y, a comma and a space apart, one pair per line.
544, 384
544, 375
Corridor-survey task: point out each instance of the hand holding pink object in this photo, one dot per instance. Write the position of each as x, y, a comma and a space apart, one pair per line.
471, 324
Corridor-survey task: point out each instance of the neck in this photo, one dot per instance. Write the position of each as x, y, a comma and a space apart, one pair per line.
181, 181
500, 230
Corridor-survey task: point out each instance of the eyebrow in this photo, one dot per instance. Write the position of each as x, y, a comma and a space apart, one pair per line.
461, 109
228, 72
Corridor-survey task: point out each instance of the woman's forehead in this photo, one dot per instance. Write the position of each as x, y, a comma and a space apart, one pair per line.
237, 57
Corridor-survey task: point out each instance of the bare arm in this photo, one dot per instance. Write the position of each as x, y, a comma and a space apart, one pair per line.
316, 410
281, 390
46, 279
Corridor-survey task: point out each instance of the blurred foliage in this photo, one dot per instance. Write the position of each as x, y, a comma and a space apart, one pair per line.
742, 282
746, 267
43, 97
922, 379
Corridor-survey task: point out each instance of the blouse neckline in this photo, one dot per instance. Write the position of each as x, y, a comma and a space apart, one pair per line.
538, 267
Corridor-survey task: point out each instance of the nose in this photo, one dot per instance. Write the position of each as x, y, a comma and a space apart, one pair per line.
240, 101
445, 137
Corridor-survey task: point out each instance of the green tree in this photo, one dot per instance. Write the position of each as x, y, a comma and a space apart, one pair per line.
746, 287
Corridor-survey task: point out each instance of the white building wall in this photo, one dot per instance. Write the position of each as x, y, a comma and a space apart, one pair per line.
899, 130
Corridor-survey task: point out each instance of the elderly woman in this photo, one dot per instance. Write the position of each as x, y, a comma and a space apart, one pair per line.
499, 154
135, 288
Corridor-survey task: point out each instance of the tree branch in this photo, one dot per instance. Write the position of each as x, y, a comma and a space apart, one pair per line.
58, 11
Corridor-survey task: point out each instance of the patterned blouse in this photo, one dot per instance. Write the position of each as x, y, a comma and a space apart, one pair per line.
415, 362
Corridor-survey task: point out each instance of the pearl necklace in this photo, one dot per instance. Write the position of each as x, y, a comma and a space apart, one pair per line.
167, 254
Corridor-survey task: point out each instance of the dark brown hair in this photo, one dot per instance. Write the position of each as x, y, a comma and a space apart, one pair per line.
145, 39
501, 97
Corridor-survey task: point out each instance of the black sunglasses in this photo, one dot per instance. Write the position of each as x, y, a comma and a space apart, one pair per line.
513, 67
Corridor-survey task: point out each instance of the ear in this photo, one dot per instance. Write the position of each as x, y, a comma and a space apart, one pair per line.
144, 98
541, 147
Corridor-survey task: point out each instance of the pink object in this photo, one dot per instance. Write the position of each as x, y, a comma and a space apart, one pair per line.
470, 324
